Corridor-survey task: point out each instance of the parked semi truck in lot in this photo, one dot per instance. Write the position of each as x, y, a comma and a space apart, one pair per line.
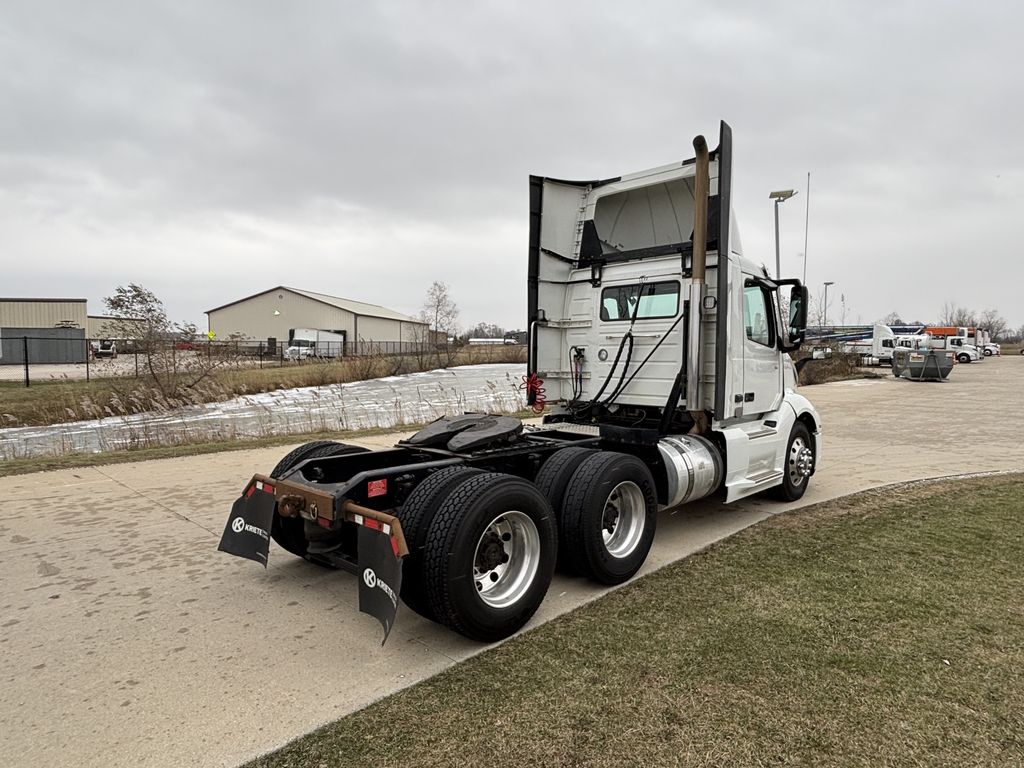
662, 355
955, 339
878, 349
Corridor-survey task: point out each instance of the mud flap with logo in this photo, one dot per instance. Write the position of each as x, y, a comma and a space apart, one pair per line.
380, 577
247, 533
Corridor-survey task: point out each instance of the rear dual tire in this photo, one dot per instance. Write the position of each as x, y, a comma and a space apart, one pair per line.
416, 516
488, 557
608, 517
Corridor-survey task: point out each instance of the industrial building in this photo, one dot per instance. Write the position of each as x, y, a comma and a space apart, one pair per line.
42, 313
274, 315
49, 330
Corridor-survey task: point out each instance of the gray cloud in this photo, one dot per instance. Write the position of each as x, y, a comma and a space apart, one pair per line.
211, 150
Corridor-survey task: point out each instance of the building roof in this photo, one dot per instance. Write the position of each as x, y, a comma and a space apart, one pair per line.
355, 307
41, 301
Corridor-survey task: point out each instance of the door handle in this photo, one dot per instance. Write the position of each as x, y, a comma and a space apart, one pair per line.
748, 397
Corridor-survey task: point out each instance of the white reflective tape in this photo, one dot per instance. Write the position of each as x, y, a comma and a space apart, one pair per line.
386, 528
259, 485
359, 519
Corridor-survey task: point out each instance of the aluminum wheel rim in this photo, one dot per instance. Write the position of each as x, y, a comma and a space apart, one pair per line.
623, 519
801, 461
501, 584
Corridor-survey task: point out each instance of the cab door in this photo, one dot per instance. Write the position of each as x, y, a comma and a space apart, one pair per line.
762, 369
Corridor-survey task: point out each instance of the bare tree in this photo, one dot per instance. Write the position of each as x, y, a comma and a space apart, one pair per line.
893, 318
816, 309
951, 314
139, 315
947, 312
441, 312
485, 331
994, 323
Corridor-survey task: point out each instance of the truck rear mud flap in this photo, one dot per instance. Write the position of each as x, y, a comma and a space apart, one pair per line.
247, 532
381, 545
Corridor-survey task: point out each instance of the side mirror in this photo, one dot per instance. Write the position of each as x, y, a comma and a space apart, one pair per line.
797, 317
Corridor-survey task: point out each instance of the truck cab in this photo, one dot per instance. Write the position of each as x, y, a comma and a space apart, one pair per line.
637, 326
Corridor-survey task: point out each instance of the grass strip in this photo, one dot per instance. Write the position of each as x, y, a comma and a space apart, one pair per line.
882, 629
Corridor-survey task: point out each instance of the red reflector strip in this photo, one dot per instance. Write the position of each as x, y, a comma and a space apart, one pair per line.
323, 522
371, 523
268, 488
249, 491
376, 488
394, 545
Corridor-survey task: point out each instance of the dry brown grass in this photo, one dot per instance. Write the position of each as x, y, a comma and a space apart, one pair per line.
838, 367
65, 400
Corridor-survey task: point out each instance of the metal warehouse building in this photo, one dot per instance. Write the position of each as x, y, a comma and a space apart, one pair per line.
42, 313
50, 330
277, 312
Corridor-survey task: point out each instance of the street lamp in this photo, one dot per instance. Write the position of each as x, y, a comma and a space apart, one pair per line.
824, 309
778, 197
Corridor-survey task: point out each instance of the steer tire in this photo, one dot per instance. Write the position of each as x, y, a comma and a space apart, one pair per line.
416, 515
963, 357
793, 486
289, 532
495, 530
552, 480
609, 489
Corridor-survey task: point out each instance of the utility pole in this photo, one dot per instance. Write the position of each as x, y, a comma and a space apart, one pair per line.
824, 308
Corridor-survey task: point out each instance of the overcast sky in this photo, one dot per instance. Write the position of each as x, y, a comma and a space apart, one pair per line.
214, 150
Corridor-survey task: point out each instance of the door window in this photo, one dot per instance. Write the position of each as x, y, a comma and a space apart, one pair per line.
655, 300
756, 316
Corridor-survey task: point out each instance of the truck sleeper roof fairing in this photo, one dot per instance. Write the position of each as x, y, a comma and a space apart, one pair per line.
581, 224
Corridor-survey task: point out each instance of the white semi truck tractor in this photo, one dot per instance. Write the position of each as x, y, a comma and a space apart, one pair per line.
660, 357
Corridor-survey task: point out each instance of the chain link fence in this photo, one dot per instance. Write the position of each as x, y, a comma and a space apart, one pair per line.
29, 357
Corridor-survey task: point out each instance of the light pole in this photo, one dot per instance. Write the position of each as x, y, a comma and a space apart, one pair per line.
824, 308
778, 197
807, 222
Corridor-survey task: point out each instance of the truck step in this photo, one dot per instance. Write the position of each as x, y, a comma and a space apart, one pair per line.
764, 477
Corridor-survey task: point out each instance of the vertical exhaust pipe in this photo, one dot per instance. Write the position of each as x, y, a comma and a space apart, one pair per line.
701, 188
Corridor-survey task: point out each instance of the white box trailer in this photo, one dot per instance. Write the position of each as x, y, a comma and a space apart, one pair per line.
659, 355
312, 342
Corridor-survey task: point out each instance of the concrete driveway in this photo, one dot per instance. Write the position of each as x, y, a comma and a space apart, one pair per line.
126, 639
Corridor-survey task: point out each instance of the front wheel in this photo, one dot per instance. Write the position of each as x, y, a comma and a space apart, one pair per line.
963, 357
798, 466
489, 556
